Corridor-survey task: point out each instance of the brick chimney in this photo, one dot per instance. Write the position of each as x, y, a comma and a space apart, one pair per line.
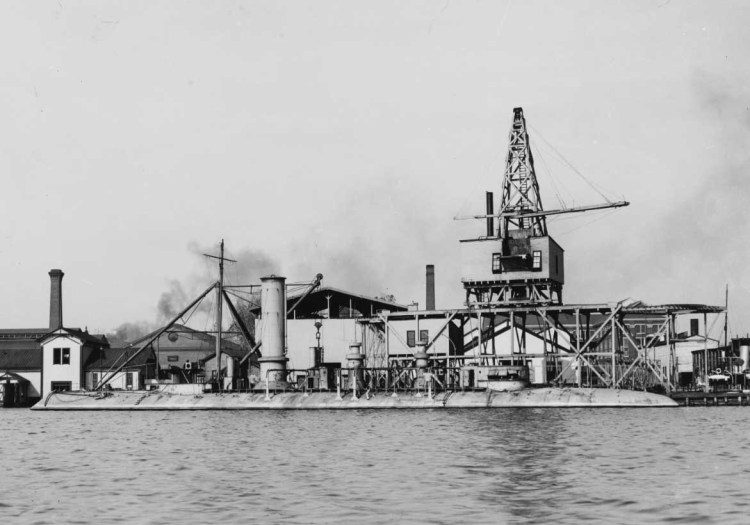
430, 287
55, 299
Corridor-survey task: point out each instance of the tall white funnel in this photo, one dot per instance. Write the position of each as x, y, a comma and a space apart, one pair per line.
273, 337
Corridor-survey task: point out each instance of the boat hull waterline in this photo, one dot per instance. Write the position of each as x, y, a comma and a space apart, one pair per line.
529, 398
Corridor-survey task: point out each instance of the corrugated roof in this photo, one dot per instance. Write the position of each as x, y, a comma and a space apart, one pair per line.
321, 298
332, 289
640, 307
23, 333
20, 344
21, 358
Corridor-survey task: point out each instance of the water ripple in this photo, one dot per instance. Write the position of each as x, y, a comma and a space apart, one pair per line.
683, 465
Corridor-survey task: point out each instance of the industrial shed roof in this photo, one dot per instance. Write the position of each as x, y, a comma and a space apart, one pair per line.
23, 333
342, 304
674, 309
20, 344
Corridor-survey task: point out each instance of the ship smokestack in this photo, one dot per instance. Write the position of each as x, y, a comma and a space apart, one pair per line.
430, 285
55, 299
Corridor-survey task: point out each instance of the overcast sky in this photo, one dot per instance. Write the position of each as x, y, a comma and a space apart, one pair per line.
343, 137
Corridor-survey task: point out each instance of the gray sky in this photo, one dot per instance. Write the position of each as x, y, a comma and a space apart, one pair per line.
343, 137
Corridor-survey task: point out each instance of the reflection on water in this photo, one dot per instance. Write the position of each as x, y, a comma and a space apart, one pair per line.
442, 466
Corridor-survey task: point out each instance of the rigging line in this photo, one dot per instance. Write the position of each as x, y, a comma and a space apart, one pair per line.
242, 298
589, 223
544, 150
250, 297
192, 311
570, 165
548, 171
566, 218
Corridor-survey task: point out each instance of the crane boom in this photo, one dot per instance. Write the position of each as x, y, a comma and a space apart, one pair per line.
540, 213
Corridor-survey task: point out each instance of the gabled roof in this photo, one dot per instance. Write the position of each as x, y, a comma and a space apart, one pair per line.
208, 339
12, 377
84, 336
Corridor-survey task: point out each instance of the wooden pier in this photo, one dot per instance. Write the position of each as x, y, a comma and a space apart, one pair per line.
695, 399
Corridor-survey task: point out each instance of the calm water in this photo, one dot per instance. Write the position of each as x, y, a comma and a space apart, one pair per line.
463, 466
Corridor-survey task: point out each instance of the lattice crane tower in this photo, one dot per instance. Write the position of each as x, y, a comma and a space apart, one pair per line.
520, 187
518, 263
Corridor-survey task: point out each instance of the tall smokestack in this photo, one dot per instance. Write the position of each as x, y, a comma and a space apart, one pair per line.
430, 281
55, 299
273, 338
490, 212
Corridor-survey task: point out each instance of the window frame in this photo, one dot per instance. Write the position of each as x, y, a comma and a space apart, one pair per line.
411, 338
61, 356
61, 386
536, 260
497, 265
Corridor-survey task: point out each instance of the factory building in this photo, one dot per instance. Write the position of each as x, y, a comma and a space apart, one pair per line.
323, 325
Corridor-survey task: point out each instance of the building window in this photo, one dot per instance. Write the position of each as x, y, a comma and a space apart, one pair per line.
94, 379
694, 326
536, 261
173, 358
424, 336
61, 356
61, 386
129, 380
410, 338
497, 266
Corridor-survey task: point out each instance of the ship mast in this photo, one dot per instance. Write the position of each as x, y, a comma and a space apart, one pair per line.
219, 307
